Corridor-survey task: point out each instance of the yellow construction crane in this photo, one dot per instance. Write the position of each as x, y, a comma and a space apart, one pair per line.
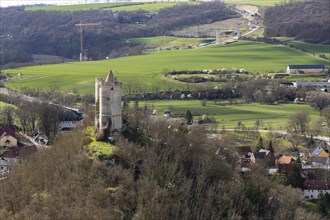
81, 26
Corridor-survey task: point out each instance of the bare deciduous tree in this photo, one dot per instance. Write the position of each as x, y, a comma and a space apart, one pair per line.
298, 123
318, 99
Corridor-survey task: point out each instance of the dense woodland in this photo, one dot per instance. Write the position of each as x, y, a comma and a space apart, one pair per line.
303, 20
24, 33
158, 170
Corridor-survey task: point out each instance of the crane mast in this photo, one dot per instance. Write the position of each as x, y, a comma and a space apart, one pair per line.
82, 26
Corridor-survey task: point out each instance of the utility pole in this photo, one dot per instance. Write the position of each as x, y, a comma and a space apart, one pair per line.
81, 26
217, 37
238, 30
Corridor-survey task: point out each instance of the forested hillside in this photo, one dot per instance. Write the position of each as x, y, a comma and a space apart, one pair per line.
161, 170
24, 33
306, 20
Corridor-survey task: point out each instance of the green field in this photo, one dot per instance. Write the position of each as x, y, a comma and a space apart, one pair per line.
255, 2
147, 69
168, 41
270, 116
315, 49
150, 6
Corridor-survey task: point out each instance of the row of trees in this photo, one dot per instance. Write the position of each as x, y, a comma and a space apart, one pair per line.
254, 90
28, 117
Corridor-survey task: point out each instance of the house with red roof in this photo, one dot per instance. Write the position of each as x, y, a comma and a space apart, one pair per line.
284, 160
7, 137
245, 154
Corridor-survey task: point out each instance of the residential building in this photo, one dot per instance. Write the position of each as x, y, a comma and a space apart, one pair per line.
7, 137
69, 119
6, 165
320, 162
284, 160
313, 188
245, 154
264, 158
321, 152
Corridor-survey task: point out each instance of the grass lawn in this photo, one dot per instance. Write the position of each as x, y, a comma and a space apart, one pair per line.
147, 6
147, 69
97, 148
270, 116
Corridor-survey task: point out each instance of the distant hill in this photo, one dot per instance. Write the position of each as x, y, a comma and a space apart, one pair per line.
308, 21
24, 33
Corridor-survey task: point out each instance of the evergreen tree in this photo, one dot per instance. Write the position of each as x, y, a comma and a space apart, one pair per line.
270, 146
295, 178
136, 104
322, 204
260, 144
125, 104
188, 117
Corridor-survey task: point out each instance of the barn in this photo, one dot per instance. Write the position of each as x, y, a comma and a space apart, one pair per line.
314, 68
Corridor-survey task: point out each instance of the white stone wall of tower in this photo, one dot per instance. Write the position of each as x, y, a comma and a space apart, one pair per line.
97, 98
116, 113
105, 103
97, 87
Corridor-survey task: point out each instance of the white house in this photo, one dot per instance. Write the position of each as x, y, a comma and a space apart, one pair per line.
69, 119
6, 164
313, 188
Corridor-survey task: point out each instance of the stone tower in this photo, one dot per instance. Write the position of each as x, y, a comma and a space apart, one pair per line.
108, 116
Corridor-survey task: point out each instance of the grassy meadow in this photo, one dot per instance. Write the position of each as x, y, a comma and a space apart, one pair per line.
147, 6
169, 41
316, 49
228, 115
148, 69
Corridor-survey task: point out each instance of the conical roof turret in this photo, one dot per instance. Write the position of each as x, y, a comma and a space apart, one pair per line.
110, 77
